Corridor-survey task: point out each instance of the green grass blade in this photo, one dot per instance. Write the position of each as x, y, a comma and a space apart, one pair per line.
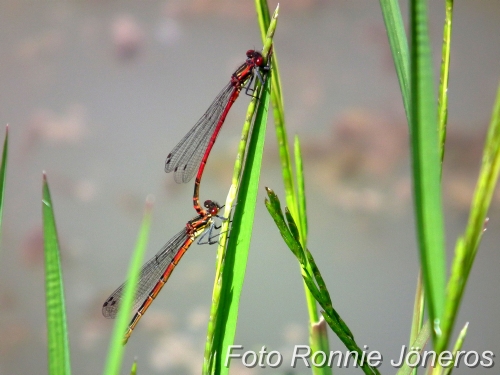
445, 72
235, 259
488, 177
419, 343
215, 331
116, 347
318, 338
456, 286
133, 369
216, 325
274, 207
426, 166
3, 172
292, 200
278, 113
467, 245
458, 345
57, 329
350, 344
418, 313
264, 20
301, 192
399, 48
317, 287
325, 301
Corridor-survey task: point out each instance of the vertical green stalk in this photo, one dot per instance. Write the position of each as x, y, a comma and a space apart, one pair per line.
231, 265
232, 255
426, 166
318, 341
278, 113
216, 329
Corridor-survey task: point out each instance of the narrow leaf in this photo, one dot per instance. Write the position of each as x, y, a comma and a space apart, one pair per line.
426, 165
241, 233
116, 347
418, 313
216, 330
467, 245
418, 345
350, 344
3, 172
301, 191
278, 111
458, 345
288, 181
445, 73
399, 48
274, 208
57, 329
133, 369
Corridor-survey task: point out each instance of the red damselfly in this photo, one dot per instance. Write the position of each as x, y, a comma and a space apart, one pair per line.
192, 152
155, 273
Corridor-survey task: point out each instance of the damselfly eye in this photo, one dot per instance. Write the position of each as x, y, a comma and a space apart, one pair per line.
212, 207
250, 53
259, 61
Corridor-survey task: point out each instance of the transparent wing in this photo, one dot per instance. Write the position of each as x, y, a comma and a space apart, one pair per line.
149, 276
185, 158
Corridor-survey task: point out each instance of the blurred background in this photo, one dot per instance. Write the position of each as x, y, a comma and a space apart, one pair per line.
97, 93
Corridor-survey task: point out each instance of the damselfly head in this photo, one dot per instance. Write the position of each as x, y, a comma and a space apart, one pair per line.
212, 207
255, 57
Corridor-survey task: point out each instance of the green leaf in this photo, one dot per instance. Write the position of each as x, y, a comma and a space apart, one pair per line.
445, 72
228, 286
292, 226
458, 345
116, 346
133, 369
264, 19
418, 313
57, 329
468, 244
3, 172
278, 112
418, 344
301, 191
349, 342
399, 48
426, 166
274, 208
292, 200
216, 327
317, 287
